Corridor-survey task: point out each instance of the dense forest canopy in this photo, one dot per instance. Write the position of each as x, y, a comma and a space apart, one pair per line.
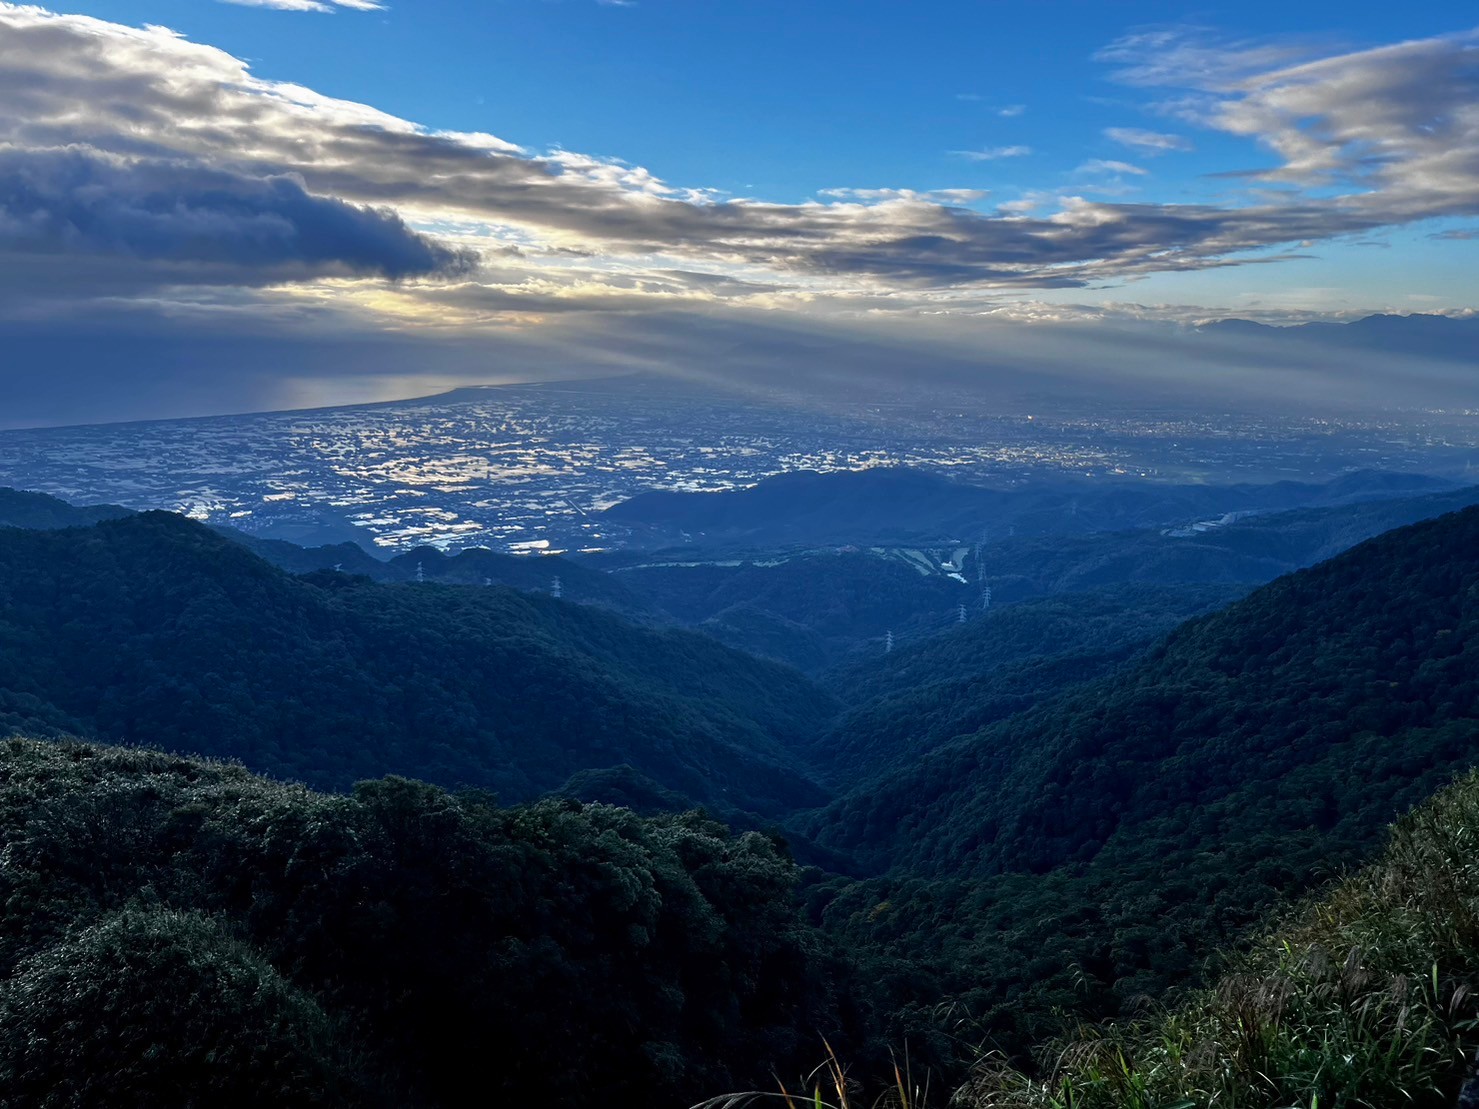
173, 924
152, 628
1041, 815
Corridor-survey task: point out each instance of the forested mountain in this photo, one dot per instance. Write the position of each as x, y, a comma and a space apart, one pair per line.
1083, 852
474, 566
1364, 661
908, 702
819, 608
809, 611
154, 627
1053, 810
1362, 996
815, 609
20, 509
175, 931
1251, 549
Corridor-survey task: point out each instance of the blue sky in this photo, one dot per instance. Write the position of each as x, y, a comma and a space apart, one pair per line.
773, 97
483, 173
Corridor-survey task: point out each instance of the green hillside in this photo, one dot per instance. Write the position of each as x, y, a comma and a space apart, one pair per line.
1083, 853
20, 509
152, 627
941, 687
1362, 997
1364, 663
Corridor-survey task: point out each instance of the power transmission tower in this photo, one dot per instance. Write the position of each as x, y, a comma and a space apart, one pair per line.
985, 597
420, 571
555, 589
888, 643
962, 612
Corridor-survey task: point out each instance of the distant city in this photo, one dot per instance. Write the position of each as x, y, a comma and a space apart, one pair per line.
533, 467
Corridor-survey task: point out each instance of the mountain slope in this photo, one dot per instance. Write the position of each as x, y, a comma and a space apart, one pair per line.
154, 627
1328, 696
1080, 854
473, 566
1006, 661
19, 509
1363, 996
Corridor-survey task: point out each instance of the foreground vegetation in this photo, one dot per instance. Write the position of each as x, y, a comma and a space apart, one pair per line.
1368, 996
180, 932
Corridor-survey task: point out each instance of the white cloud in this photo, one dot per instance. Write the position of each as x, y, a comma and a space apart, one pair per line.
991, 154
932, 196
1149, 142
1102, 165
311, 5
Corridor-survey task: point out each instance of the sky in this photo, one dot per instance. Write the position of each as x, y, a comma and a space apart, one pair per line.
218, 206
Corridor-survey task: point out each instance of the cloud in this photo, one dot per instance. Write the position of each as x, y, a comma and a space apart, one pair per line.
1360, 142
1393, 129
80, 202
1011, 111
1101, 165
1182, 56
1150, 142
991, 154
311, 5
932, 196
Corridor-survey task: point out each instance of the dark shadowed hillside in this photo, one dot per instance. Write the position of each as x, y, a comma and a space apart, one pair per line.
1086, 851
20, 509
893, 505
152, 626
821, 608
1364, 661
546, 574
1006, 661
181, 932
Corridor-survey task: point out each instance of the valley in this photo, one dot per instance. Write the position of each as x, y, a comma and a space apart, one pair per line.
985, 814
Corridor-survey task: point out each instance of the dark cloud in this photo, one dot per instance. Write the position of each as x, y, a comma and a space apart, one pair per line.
76, 201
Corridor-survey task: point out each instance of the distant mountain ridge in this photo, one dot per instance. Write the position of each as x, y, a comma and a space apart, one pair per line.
1435, 336
473, 566
898, 505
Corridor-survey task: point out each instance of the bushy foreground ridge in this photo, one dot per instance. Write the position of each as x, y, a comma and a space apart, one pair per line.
1366, 997
180, 932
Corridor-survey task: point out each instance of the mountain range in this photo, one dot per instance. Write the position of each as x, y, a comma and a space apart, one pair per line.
1075, 798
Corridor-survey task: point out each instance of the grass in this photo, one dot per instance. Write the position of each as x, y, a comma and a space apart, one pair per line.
830, 1087
1365, 998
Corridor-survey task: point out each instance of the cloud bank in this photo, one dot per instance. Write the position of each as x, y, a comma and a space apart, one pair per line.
1396, 128
182, 221
145, 175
